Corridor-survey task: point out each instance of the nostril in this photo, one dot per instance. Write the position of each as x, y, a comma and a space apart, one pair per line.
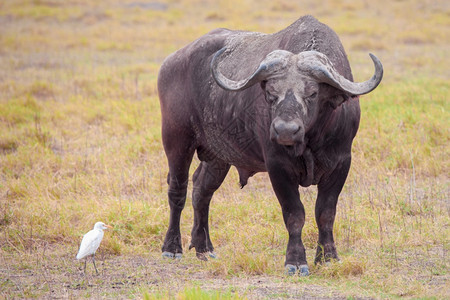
279, 126
296, 129
286, 132
282, 126
293, 127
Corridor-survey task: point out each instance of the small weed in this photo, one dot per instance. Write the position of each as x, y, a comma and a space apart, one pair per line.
8, 146
348, 267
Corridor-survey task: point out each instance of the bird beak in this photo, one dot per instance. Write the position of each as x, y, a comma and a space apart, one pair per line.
108, 226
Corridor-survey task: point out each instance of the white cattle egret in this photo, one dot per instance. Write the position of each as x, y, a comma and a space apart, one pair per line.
90, 243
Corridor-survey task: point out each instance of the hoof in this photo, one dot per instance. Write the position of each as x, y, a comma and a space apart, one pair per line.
171, 255
205, 255
166, 254
292, 270
304, 270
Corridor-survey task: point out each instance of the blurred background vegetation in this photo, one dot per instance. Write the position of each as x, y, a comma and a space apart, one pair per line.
80, 142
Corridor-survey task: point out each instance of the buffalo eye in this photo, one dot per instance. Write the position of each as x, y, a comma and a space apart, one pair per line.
271, 98
312, 96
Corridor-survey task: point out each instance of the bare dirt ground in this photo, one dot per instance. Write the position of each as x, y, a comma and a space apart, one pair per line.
124, 277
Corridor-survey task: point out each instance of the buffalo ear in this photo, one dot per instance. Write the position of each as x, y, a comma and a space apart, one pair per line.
332, 96
338, 100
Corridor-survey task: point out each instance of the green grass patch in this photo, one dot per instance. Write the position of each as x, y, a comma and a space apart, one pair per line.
194, 293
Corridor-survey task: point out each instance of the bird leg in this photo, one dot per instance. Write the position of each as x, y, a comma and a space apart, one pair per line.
93, 260
84, 271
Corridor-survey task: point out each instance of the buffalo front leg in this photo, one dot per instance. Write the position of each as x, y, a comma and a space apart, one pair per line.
207, 179
178, 182
329, 189
286, 190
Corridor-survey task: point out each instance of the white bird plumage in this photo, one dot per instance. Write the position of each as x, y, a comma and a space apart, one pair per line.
91, 241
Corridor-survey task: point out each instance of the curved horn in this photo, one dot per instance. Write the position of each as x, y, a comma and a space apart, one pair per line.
273, 62
320, 67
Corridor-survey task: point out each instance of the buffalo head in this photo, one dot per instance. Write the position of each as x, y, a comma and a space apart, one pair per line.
297, 86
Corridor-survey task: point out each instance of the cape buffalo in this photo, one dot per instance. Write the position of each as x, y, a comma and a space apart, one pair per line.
282, 103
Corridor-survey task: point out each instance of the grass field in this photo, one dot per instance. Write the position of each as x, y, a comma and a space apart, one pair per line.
80, 142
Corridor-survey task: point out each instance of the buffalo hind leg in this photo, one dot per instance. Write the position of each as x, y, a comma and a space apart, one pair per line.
179, 162
207, 179
327, 197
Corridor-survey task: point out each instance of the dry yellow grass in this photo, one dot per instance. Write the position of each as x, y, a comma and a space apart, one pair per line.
80, 142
